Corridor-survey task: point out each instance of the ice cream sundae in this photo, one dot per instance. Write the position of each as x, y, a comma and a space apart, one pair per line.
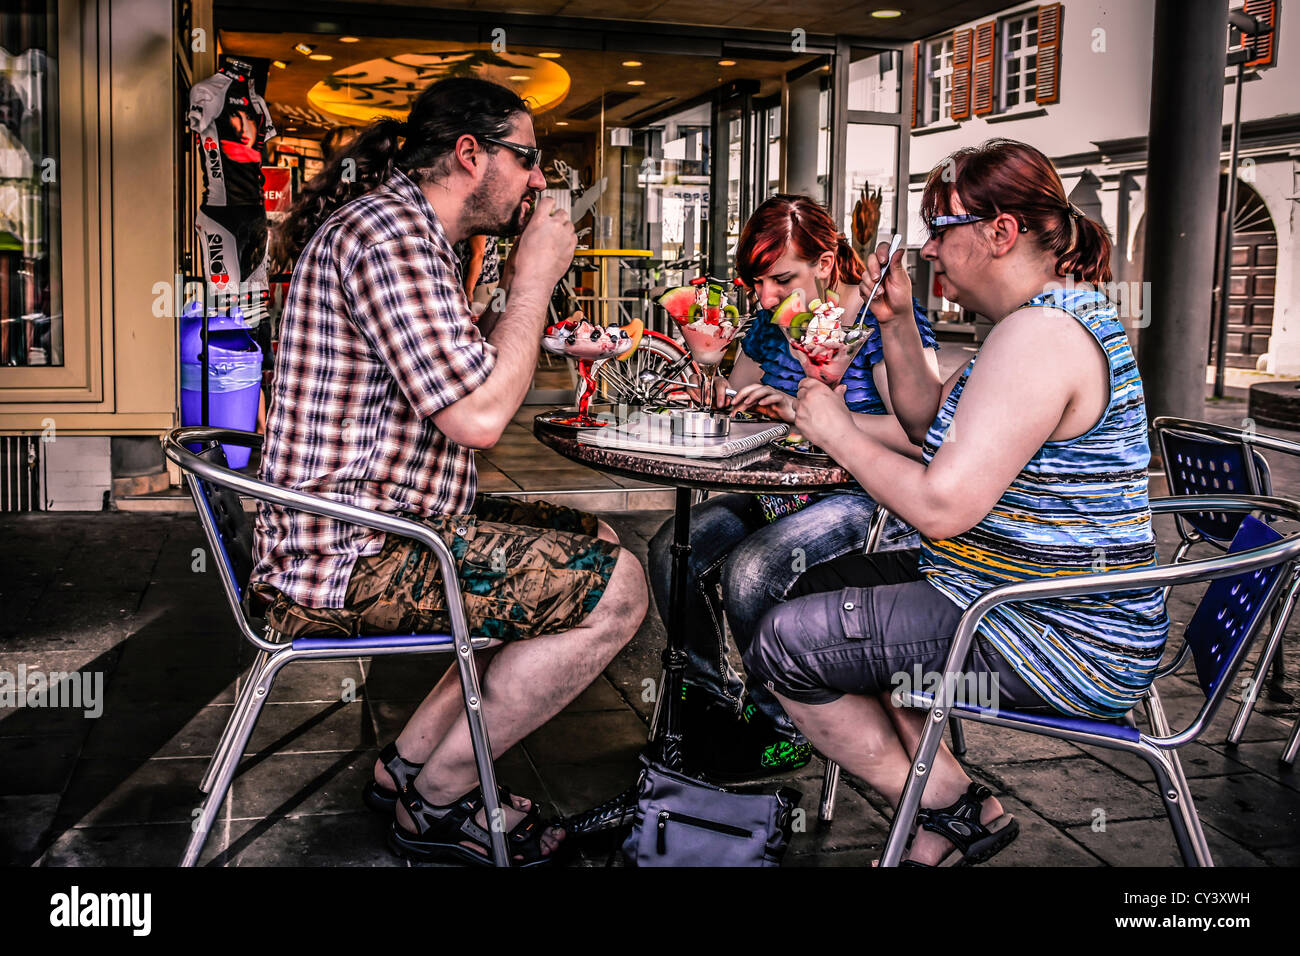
822, 344
708, 323
579, 339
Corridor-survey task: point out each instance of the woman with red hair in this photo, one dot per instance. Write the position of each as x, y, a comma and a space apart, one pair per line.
1034, 462
756, 546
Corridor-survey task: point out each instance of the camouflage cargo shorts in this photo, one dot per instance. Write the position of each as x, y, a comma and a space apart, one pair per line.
525, 568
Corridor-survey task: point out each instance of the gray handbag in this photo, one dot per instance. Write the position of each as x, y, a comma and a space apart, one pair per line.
681, 821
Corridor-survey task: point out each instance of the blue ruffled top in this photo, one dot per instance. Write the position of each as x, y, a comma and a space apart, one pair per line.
766, 345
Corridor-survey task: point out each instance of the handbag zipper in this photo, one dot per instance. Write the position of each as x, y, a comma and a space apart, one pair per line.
665, 816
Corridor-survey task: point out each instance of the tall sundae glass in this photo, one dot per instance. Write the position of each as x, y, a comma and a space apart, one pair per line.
578, 339
818, 338
709, 324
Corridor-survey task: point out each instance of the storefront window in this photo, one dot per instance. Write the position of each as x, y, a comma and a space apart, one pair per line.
869, 180
31, 319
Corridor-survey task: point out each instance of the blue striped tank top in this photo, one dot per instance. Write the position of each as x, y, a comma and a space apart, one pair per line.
1078, 506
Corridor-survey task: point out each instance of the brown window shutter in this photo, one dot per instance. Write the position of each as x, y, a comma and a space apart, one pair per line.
961, 52
982, 78
916, 85
1264, 48
1049, 53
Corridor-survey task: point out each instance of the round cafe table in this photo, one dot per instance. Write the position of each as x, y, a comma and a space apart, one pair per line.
762, 470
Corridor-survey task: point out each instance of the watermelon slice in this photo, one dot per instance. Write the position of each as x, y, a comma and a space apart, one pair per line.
787, 310
678, 301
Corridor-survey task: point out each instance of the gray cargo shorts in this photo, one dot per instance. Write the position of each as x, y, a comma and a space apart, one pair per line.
870, 624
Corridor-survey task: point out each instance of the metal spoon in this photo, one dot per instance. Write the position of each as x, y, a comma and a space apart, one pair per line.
894, 243
648, 377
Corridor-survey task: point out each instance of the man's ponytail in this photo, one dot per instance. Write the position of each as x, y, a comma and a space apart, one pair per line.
366, 163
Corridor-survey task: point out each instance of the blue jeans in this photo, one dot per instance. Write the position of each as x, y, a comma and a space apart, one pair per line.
758, 562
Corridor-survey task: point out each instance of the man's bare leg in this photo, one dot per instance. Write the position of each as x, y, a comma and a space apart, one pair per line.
529, 682
434, 718
873, 740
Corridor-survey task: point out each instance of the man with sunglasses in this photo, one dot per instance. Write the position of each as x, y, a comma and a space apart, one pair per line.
384, 387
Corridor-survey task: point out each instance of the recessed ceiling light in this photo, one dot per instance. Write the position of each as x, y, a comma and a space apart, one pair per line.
280, 63
726, 63
886, 14
291, 129
550, 56
519, 78
561, 123
348, 40
631, 62
320, 56
636, 82
303, 48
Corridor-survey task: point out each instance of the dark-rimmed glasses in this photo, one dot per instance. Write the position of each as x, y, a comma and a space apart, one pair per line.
938, 224
531, 155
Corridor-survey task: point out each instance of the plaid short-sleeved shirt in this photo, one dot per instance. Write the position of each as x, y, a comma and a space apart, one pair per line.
375, 338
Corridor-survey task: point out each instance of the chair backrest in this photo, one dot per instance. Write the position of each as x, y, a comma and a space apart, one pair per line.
231, 530
1204, 464
1232, 608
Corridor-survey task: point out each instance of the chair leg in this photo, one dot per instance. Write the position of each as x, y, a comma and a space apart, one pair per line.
478, 735
1174, 791
1256, 682
1292, 745
242, 730
242, 703
914, 788
830, 783
958, 733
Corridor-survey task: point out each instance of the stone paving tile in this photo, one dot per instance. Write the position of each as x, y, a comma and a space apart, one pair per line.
293, 784
1068, 791
23, 821
306, 728
159, 732
1252, 810
1151, 843
1040, 843
141, 845
316, 681
1263, 758
355, 838
37, 764
118, 791
597, 736
1197, 759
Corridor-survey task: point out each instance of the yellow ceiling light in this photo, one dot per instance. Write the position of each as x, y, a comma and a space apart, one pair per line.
303, 48
561, 123
631, 62
280, 63
636, 82
349, 40
320, 56
385, 86
550, 56
726, 63
886, 14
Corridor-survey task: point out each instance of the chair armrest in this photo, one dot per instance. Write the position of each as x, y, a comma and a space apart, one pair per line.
1286, 550
174, 448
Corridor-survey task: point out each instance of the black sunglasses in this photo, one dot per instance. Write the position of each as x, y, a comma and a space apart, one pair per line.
531, 155
938, 224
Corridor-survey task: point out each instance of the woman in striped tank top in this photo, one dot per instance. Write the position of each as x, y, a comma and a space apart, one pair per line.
1028, 462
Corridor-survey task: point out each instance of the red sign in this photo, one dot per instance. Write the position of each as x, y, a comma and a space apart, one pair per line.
277, 191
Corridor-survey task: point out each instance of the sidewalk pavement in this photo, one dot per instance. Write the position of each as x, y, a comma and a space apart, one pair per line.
129, 597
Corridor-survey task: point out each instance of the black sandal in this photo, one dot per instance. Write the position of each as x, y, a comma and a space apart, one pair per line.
383, 799
441, 830
973, 842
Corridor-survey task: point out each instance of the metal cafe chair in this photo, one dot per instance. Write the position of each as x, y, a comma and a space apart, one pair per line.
831, 779
1246, 585
217, 493
1202, 458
